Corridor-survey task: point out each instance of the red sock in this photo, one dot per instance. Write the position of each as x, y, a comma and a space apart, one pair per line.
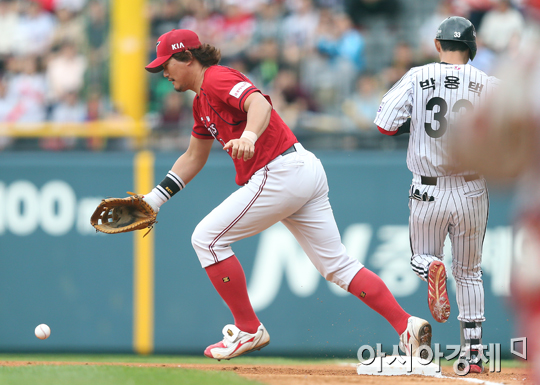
371, 290
230, 282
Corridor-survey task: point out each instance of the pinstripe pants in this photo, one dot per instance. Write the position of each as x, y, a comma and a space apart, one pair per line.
460, 210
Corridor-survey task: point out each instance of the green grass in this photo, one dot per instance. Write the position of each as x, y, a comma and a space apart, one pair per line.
165, 359
114, 375
132, 375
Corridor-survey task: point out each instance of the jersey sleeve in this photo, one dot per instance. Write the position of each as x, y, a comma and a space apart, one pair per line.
231, 88
199, 130
396, 105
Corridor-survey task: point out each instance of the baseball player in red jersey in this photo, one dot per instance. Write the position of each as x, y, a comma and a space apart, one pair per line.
280, 181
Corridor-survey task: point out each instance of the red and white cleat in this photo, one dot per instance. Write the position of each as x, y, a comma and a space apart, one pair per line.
437, 294
236, 342
417, 334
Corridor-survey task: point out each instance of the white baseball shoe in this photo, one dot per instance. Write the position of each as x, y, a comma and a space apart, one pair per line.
417, 334
236, 342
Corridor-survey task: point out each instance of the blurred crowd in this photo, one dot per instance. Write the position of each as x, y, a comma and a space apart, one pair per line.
54, 59
325, 63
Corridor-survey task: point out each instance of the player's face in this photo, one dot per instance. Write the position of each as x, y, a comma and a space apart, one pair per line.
177, 72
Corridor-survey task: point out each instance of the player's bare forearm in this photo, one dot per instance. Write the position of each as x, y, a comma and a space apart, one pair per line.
258, 111
193, 160
258, 116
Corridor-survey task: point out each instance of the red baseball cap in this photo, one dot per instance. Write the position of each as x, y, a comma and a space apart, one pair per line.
177, 40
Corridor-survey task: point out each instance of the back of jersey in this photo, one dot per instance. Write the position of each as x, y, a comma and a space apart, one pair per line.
434, 96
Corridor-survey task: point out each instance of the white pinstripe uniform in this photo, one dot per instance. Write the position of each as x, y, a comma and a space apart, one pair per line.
433, 97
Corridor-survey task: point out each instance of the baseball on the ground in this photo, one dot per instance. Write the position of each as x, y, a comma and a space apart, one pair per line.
42, 331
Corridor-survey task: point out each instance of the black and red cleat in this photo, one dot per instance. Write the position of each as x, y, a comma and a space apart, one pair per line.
475, 363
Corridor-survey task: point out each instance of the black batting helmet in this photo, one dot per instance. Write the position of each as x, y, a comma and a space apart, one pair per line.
458, 28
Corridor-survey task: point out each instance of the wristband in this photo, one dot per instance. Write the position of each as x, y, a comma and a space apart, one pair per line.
170, 185
249, 135
165, 190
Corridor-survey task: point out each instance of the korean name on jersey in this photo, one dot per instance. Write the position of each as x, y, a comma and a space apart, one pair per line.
434, 96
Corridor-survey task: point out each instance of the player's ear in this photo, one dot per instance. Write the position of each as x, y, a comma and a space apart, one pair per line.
189, 57
437, 45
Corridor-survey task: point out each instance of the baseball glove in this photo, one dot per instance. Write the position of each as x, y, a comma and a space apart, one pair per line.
121, 215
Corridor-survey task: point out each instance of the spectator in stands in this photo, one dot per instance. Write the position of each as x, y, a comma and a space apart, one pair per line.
100, 108
428, 52
65, 71
299, 31
97, 32
9, 25
7, 100
248, 6
202, 18
96, 109
69, 26
172, 113
339, 40
96, 25
289, 98
10, 67
237, 33
47, 5
7, 103
361, 108
70, 109
366, 13
474, 10
166, 16
501, 27
74, 6
52, 5
269, 20
29, 89
485, 58
319, 68
36, 29
266, 60
305, 42
403, 60
174, 125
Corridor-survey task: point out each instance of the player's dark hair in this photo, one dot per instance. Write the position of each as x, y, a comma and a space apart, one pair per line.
207, 55
452, 45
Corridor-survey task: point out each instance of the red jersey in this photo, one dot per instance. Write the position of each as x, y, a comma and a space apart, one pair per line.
219, 114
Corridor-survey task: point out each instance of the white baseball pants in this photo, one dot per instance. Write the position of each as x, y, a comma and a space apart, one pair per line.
292, 189
459, 209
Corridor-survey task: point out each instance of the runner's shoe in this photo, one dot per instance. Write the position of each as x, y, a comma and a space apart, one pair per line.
475, 363
417, 334
236, 342
437, 295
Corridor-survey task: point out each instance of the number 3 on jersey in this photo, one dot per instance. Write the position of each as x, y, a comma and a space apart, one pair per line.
440, 116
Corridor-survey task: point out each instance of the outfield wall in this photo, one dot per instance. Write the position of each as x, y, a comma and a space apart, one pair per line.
55, 269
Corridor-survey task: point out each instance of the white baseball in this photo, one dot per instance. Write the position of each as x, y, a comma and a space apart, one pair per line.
42, 331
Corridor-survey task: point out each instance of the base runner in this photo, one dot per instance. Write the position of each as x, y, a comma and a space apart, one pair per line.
280, 181
427, 103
